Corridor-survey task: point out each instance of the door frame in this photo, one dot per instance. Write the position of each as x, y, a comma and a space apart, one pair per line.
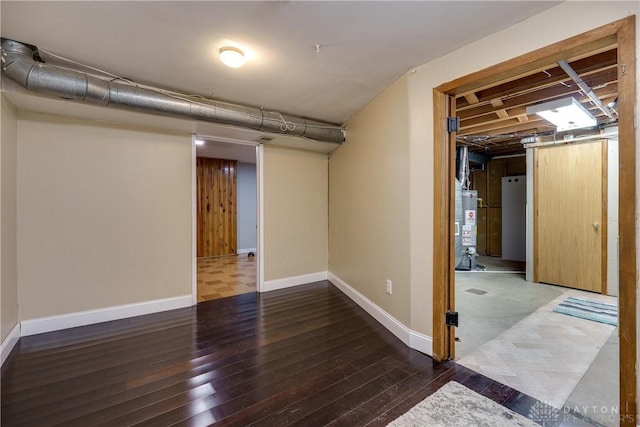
259, 212
622, 32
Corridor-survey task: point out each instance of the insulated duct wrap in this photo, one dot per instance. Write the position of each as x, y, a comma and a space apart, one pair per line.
19, 65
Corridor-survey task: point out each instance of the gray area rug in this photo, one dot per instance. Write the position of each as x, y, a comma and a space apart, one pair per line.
454, 405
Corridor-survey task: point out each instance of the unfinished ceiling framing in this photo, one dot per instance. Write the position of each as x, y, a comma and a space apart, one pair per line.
493, 119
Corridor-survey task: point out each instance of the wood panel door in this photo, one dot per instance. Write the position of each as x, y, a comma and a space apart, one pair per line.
216, 183
570, 208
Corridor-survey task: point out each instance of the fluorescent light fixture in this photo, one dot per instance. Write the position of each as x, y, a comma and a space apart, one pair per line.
565, 113
232, 57
199, 142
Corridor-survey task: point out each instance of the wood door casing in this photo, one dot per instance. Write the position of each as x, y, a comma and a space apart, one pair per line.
623, 32
570, 228
216, 192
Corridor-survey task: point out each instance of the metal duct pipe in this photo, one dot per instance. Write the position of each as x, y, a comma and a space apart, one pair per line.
463, 167
584, 87
22, 64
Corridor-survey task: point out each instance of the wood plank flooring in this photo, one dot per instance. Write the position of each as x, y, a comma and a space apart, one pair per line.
304, 356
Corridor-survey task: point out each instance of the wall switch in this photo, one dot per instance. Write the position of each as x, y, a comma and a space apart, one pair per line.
389, 287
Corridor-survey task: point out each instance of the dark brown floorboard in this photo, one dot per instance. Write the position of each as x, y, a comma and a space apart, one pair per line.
304, 356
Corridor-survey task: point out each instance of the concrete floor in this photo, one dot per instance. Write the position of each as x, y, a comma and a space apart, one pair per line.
499, 264
598, 393
509, 299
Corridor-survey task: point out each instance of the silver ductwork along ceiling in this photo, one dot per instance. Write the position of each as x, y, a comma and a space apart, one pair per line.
22, 64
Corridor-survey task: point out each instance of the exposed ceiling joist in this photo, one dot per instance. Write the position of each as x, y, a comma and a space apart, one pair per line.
506, 127
588, 68
502, 114
496, 75
496, 124
471, 98
519, 110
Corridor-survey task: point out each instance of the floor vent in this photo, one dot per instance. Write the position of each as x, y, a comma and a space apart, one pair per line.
476, 291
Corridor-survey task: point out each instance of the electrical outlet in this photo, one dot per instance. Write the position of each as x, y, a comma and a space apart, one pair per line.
389, 287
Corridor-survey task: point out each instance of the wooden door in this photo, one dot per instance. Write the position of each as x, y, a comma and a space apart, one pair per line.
216, 182
570, 207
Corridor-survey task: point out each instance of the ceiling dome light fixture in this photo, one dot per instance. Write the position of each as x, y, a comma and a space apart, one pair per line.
232, 57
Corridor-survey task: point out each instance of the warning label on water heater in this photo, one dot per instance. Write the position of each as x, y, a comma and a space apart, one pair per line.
469, 217
468, 235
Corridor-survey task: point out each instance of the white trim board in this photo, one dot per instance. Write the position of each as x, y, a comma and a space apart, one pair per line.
246, 251
9, 342
287, 282
89, 317
413, 339
259, 251
260, 218
420, 342
194, 224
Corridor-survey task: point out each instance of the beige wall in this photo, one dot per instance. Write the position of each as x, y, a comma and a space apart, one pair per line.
561, 22
367, 150
8, 258
295, 212
369, 202
104, 215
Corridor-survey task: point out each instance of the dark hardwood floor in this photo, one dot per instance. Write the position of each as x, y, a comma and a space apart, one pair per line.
303, 356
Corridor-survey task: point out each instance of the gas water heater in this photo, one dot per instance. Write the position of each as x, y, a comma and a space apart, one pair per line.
466, 229
466, 213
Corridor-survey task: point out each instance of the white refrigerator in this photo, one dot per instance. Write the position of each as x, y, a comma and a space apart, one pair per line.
514, 217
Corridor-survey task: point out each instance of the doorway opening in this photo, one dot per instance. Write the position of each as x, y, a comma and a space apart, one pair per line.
518, 331
621, 35
226, 213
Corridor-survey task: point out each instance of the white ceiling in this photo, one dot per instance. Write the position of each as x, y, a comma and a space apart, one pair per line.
227, 151
364, 46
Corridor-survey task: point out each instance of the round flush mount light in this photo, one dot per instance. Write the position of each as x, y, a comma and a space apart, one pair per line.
232, 57
199, 142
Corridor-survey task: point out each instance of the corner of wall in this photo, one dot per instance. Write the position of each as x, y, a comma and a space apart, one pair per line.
9, 342
8, 223
411, 338
287, 282
369, 234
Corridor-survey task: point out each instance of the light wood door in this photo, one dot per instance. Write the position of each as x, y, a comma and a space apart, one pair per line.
570, 229
216, 184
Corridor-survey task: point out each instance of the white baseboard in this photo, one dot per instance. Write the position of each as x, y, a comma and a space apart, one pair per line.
9, 342
287, 282
413, 339
82, 318
422, 343
246, 251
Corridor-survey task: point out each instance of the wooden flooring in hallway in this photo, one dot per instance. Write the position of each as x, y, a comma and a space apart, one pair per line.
304, 356
226, 276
